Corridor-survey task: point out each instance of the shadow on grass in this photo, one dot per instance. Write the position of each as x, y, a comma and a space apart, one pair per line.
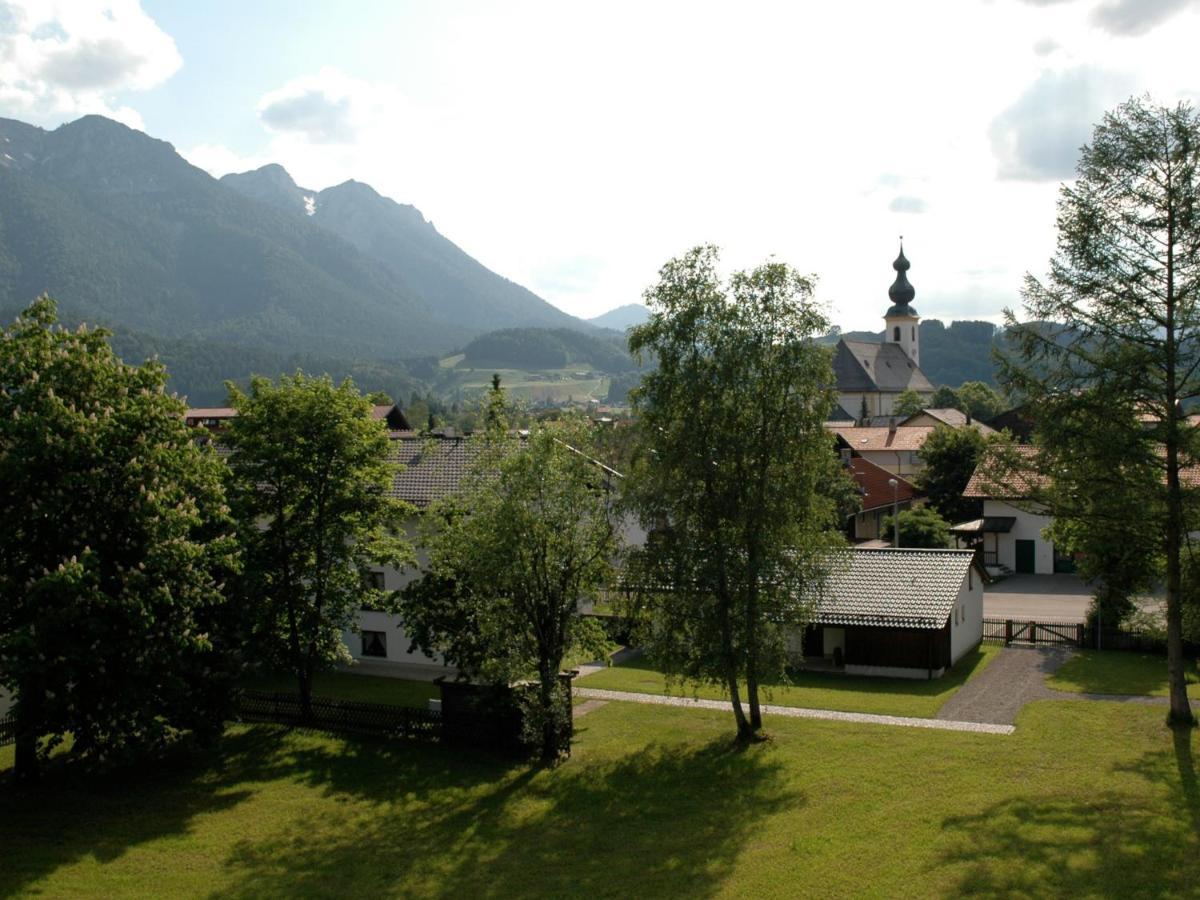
671, 820
1112, 844
818, 680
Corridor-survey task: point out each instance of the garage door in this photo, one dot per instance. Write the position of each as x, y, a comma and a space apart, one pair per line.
1025, 557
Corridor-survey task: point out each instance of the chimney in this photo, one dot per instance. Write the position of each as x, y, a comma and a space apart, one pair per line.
892, 426
968, 417
846, 457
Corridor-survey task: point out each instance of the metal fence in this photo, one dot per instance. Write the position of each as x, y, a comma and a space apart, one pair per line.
342, 715
8, 730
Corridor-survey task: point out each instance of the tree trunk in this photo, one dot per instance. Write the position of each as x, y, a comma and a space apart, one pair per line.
744, 732
1181, 711
752, 662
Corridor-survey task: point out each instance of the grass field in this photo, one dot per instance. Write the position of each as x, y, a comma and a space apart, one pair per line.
555, 385
1109, 672
1085, 799
815, 690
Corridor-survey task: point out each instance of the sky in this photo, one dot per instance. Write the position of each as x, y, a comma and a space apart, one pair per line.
575, 147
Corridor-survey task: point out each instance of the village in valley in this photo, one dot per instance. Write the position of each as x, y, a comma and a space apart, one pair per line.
332, 560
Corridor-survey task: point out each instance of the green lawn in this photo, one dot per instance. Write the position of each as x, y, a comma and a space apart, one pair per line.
348, 686
815, 690
1085, 799
1113, 672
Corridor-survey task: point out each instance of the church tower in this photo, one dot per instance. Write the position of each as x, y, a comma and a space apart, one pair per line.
901, 319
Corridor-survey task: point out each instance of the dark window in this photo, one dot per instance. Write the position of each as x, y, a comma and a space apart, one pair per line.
896, 333
914, 332
374, 644
375, 580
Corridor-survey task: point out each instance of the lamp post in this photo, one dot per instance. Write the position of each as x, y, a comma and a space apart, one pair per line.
894, 485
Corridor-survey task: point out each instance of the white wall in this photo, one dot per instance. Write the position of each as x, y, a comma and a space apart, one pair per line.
1028, 527
966, 622
898, 462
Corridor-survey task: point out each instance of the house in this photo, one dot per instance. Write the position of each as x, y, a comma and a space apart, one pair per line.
898, 613
880, 490
896, 448
955, 418
1010, 531
869, 376
217, 417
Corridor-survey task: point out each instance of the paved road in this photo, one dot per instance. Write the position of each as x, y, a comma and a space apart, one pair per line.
1044, 597
1037, 597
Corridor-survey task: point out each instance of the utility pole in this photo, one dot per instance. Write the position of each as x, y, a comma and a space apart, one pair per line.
894, 485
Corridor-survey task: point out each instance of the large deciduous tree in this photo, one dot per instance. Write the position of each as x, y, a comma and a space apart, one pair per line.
735, 476
950, 456
113, 541
1109, 379
310, 477
511, 555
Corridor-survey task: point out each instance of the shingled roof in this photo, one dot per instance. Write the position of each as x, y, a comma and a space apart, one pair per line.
902, 437
899, 588
873, 480
869, 366
431, 466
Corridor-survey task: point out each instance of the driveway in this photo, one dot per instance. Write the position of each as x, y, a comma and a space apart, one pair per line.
1037, 597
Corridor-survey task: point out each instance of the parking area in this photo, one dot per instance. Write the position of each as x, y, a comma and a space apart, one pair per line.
1036, 597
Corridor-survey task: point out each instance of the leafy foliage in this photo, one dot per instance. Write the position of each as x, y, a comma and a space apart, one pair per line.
1108, 380
113, 544
547, 348
909, 403
919, 527
310, 473
950, 456
511, 556
734, 472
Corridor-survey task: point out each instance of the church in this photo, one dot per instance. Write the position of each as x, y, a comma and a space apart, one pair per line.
870, 376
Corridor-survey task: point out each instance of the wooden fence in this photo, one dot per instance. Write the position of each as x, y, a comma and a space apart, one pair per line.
1015, 631
342, 715
8, 730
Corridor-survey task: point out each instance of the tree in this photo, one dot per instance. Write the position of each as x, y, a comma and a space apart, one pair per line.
919, 527
909, 403
950, 456
113, 543
944, 398
980, 401
310, 473
1108, 378
510, 557
735, 476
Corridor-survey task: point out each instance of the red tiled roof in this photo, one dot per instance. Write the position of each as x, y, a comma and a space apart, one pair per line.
873, 480
432, 466
1002, 477
903, 437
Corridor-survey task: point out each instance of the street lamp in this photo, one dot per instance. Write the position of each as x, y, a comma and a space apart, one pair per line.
894, 485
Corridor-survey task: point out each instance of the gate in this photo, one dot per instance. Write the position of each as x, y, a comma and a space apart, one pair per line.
1011, 631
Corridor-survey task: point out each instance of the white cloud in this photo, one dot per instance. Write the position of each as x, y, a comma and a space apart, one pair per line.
59, 60
330, 107
1039, 136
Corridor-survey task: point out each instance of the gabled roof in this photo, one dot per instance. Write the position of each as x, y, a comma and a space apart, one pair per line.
903, 437
901, 588
433, 466
995, 479
869, 366
873, 481
955, 418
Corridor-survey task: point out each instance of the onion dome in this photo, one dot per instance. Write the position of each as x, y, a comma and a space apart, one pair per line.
901, 293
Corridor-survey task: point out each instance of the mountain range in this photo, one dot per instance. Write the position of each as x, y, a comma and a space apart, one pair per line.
122, 230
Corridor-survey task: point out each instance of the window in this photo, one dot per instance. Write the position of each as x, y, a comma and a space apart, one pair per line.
375, 581
374, 643
896, 333
956, 615
914, 332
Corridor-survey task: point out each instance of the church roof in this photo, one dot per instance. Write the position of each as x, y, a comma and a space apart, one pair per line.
901, 293
868, 366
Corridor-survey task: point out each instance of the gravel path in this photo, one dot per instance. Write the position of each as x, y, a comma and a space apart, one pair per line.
798, 712
1016, 677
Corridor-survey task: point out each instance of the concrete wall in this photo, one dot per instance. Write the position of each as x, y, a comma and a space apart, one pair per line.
966, 621
1028, 527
